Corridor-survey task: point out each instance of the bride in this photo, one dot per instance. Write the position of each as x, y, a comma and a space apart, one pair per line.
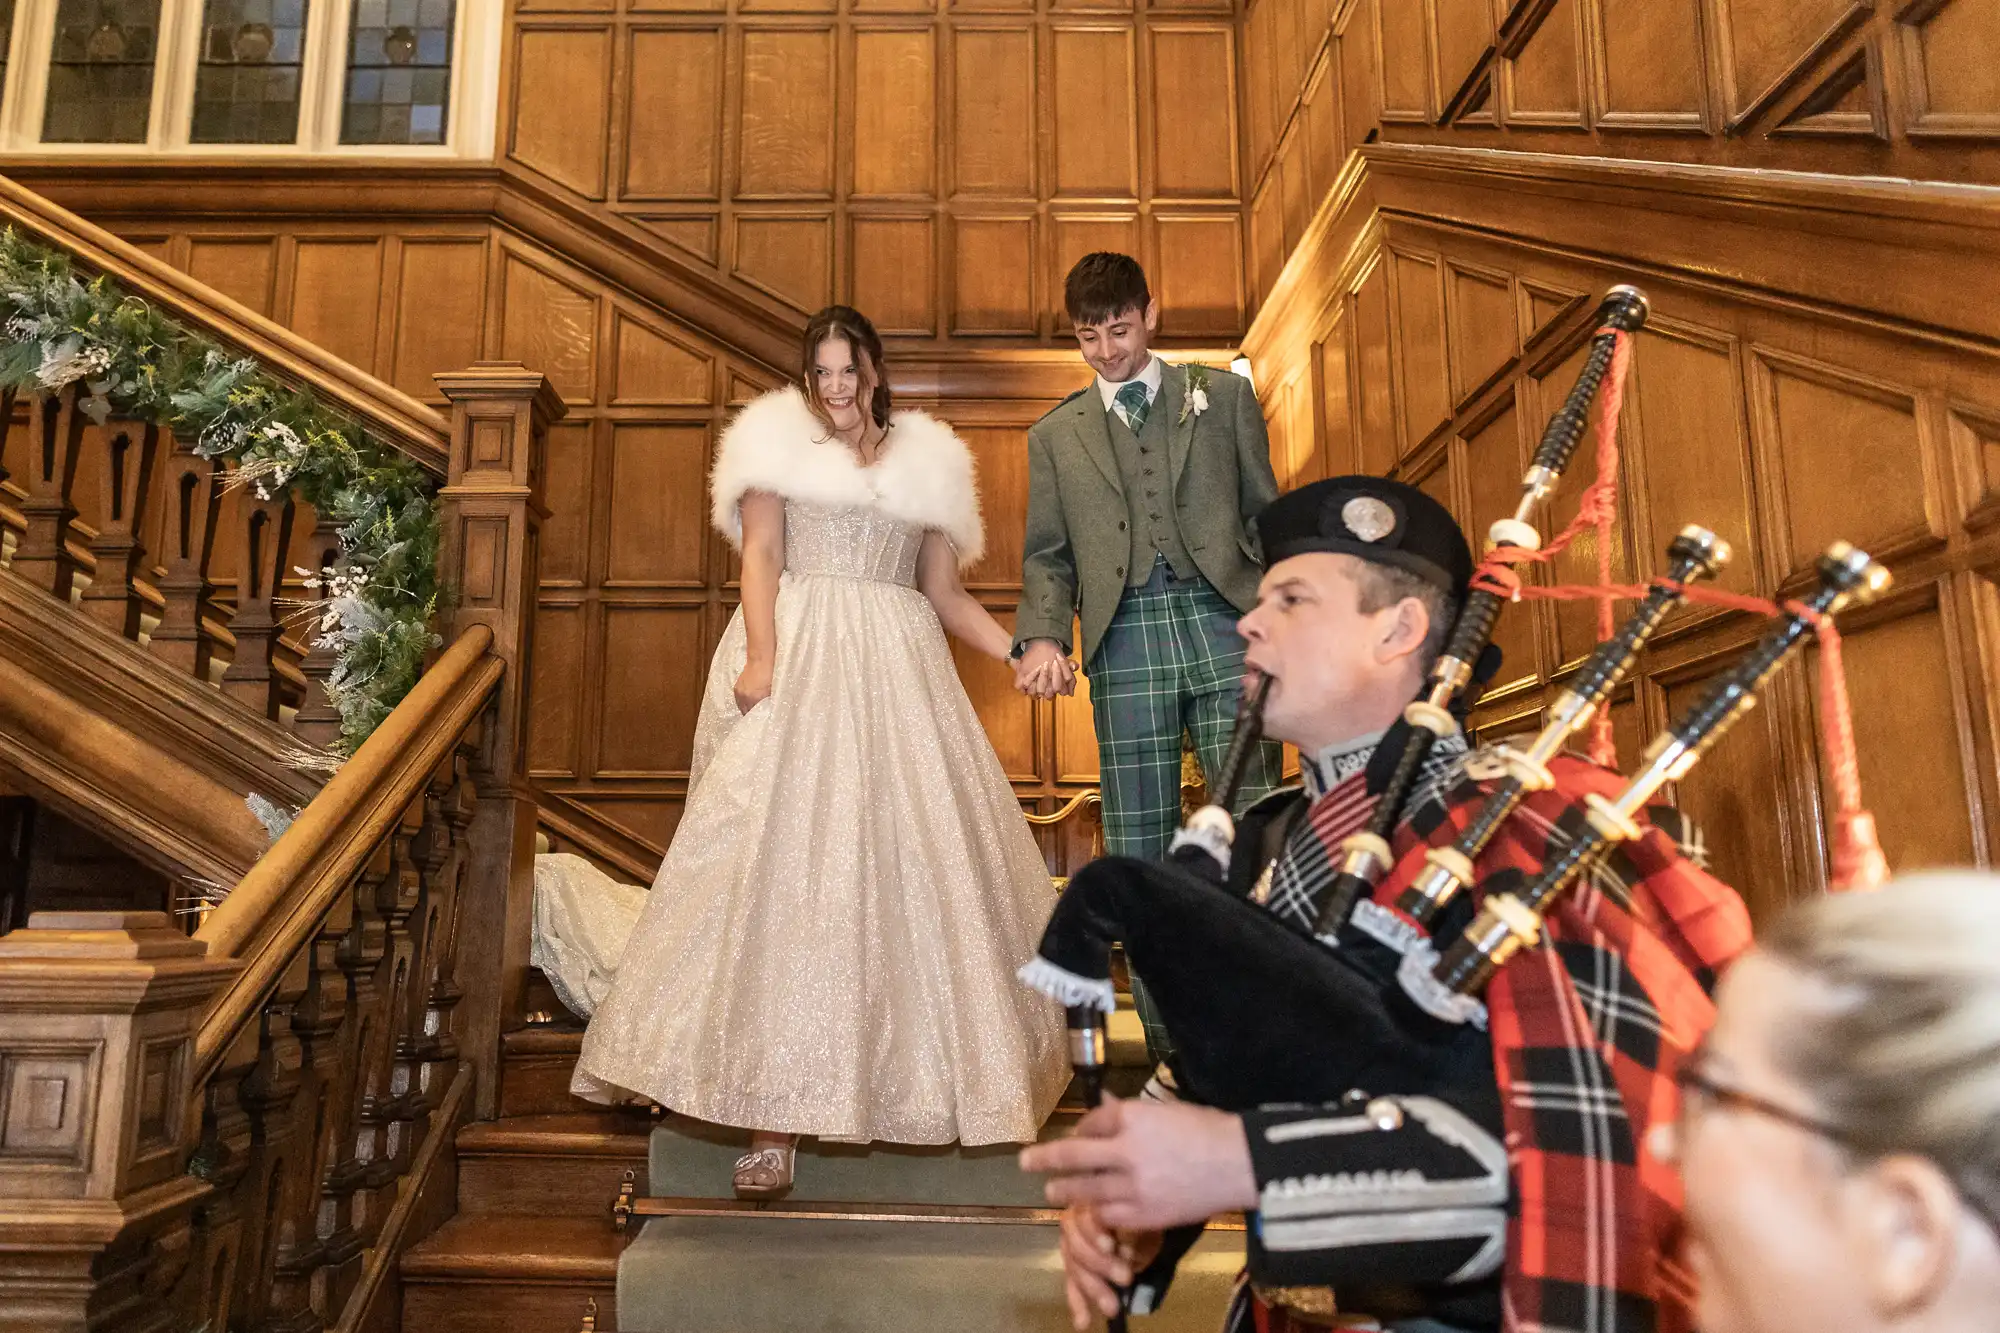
829, 947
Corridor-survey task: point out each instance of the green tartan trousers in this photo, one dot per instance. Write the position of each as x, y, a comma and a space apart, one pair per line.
1171, 662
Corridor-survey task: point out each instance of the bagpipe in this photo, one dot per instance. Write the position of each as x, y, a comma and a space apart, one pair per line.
1383, 995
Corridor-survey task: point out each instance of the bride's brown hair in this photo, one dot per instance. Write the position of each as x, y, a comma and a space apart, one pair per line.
852, 327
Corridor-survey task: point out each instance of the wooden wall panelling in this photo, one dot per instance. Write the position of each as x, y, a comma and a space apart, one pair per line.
1408, 91
1335, 381
243, 268
1325, 135
894, 149
785, 117
994, 125
1947, 74
993, 275
1463, 44
1541, 73
1267, 227
1200, 280
440, 307
1483, 326
1647, 64
1901, 664
1846, 455
1093, 107
787, 254
881, 152
562, 103
674, 114
1193, 86
892, 258
1376, 415
335, 295
1423, 397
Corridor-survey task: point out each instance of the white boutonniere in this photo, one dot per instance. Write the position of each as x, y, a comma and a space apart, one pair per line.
1196, 401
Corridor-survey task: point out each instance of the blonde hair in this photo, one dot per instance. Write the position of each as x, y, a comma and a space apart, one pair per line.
1904, 1054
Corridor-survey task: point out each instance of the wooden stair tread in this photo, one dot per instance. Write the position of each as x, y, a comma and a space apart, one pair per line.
574, 1134
516, 1247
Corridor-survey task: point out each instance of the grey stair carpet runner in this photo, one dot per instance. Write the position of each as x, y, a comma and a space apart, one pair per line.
880, 1267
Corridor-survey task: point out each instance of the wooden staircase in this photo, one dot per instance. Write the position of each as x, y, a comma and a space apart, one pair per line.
538, 1235
245, 1128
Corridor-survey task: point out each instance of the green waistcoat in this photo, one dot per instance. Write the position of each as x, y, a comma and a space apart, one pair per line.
1143, 472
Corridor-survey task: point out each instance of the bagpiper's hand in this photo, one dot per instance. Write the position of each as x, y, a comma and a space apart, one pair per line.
753, 685
1147, 1166
1098, 1261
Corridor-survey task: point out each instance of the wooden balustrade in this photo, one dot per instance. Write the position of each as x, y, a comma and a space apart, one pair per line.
249, 1149
192, 567
236, 1131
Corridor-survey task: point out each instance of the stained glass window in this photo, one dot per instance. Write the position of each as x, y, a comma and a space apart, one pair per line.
101, 71
246, 88
398, 72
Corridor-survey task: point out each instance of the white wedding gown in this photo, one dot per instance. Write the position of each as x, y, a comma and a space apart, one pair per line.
830, 946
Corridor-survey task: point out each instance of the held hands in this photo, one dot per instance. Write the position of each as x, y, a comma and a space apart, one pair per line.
1044, 671
753, 686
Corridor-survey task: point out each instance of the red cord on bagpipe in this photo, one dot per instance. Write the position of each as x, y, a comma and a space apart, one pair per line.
1857, 858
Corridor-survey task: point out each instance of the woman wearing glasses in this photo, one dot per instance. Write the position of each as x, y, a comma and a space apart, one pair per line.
1840, 1128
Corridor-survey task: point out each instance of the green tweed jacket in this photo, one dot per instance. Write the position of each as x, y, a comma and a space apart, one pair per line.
1073, 559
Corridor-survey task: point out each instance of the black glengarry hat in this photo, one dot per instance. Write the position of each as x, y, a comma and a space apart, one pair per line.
1371, 518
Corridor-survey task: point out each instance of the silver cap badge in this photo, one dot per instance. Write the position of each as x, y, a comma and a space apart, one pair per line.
1368, 518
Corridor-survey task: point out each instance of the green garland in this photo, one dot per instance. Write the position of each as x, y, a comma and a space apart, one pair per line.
374, 605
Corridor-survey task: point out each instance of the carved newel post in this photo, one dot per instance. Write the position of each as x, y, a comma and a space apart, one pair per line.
492, 503
97, 1018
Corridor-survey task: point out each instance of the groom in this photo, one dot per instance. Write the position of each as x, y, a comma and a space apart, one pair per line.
1141, 488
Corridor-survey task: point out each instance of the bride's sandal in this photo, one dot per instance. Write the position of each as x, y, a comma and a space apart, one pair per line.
765, 1173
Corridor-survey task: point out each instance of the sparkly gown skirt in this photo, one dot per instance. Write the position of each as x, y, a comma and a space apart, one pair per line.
830, 946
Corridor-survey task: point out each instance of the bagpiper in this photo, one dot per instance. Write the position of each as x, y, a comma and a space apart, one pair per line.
1423, 1160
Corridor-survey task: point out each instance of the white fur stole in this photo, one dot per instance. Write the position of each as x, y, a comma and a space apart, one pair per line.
923, 477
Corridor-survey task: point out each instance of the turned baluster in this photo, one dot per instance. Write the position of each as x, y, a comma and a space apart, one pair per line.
307, 1247
221, 1158
318, 721
55, 429
359, 958
187, 538
266, 530
404, 1113
454, 810
273, 1167
375, 1140
126, 450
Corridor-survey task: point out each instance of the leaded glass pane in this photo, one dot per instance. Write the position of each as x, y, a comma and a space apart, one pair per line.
246, 88
398, 72
101, 71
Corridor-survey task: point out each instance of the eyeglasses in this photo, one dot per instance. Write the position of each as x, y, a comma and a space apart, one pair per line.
1700, 1090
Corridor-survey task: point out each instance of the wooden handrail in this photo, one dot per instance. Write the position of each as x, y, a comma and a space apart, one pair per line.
1069, 808
398, 419
279, 905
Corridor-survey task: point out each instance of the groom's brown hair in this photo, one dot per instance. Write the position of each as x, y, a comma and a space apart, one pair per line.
1102, 285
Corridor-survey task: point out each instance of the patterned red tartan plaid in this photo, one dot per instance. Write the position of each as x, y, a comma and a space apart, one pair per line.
1588, 1030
